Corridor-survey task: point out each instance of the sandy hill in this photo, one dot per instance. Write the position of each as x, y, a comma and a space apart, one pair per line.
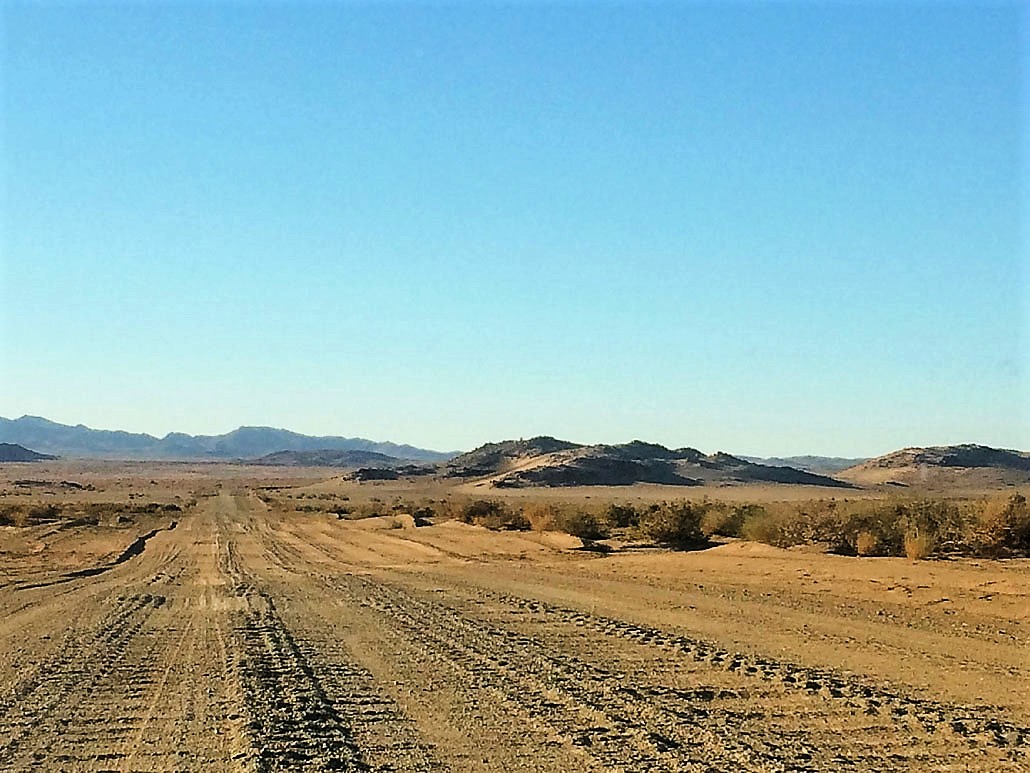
12, 452
546, 461
944, 466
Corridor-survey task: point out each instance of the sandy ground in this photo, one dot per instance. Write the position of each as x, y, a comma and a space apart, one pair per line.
234, 637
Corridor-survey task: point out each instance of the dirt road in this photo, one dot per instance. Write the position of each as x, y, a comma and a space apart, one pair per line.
238, 639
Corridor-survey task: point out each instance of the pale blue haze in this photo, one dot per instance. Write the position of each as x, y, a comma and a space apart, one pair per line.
766, 228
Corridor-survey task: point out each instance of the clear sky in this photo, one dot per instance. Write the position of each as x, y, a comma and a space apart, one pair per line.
766, 228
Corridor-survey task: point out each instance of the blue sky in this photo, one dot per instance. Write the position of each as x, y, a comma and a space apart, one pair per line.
763, 228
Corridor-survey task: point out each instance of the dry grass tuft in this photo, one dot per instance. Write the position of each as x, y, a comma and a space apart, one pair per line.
867, 543
919, 545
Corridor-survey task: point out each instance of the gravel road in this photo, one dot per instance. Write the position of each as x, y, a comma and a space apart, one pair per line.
237, 639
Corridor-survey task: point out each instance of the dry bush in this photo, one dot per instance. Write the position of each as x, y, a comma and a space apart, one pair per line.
919, 545
819, 521
448, 510
676, 524
1000, 525
871, 528
764, 525
727, 520
494, 515
786, 524
867, 543
862, 527
621, 516
568, 518
14, 515
582, 523
541, 517
372, 509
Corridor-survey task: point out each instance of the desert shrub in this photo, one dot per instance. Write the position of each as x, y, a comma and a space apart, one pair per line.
676, 524
1000, 525
14, 515
422, 514
764, 526
372, 509
479, 508
621, 516
571, 519
786, 524
867, 543
919, 544
820, 521
938, 518
541, 517
582, 523
494, 515
876, 525
727, 520
893, 527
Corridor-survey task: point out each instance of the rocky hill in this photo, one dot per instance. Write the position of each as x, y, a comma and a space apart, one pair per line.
960, 465
329, 458
12, 452
547, 461
242, 443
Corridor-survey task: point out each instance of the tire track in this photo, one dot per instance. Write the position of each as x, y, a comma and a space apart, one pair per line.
627, 723
308, 705
33, 716
979, 722
581, 702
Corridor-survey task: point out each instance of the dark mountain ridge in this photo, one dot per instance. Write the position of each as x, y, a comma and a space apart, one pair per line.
330, 458
809, 462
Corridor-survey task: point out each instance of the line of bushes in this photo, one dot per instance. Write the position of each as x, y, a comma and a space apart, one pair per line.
995, 527
27, 514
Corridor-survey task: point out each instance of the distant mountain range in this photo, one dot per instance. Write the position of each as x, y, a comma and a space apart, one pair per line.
539, 461
80, 441
547, 461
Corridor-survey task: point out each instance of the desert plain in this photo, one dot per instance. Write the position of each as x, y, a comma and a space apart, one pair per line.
181, 617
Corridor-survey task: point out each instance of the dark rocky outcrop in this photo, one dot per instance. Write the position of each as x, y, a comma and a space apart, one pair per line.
12, 452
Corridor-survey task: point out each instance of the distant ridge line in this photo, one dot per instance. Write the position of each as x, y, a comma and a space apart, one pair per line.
80, 441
